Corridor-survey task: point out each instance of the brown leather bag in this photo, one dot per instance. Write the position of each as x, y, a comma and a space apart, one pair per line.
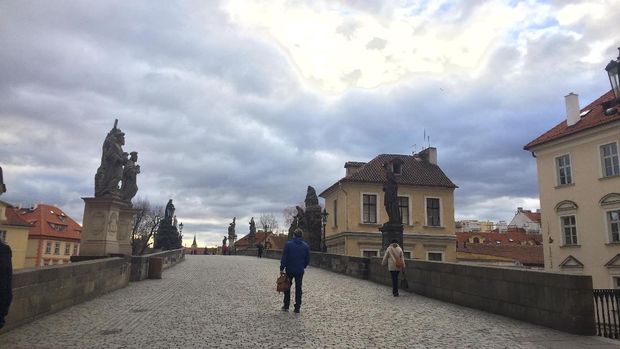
283, 284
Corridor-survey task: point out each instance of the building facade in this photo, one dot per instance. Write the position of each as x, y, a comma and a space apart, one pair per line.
355, 207
14, 232
579, 183
526, 219
53, 237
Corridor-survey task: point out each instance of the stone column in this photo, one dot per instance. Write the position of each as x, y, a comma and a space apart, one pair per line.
101, 226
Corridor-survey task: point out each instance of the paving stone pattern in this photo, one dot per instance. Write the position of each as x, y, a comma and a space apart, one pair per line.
231, 302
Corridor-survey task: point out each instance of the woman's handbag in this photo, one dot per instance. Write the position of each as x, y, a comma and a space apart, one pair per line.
283, 284
398, 260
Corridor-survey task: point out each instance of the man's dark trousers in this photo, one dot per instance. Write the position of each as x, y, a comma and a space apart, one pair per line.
394, 281
287, 294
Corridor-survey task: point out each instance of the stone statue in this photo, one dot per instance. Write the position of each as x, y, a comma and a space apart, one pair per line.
231, 229
299, 222
2, 186
169, 210
224, 241
390, 200
311, 198
252, 227
110, 172
129, 188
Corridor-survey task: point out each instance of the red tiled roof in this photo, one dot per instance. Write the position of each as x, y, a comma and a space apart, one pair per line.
43, 216
533, 216
594, 118
526, 255
517, 235
244, 242
415, 171
12, 218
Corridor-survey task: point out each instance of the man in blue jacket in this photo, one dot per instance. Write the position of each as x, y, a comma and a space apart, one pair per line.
295, 259
6, 274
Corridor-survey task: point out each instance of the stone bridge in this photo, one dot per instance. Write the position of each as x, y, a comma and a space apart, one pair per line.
230, 301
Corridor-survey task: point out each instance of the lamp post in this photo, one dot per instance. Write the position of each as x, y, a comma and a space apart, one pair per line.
324, 215
614, 79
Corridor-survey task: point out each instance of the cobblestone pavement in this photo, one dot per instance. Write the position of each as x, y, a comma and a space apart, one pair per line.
230, 302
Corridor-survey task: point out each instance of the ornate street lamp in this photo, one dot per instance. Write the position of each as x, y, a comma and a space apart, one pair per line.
614, 78
324, 215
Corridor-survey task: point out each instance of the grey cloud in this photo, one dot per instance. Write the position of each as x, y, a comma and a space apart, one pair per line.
376, 44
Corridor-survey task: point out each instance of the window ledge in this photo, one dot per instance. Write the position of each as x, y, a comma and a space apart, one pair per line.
371, 224
609, 177
569, 246
564, 185
434, 226
616, 243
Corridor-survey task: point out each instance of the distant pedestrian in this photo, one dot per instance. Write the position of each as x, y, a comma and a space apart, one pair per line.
6, 276
395, 260
260, 250
295, 259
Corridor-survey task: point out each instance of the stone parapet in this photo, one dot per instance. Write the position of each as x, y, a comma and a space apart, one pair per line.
39, 292
140, 264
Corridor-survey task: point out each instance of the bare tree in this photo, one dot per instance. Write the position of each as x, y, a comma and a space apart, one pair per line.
268, 222
146, 223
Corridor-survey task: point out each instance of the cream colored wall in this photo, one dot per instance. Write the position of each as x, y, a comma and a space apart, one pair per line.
594, 249
349, 197
17, 239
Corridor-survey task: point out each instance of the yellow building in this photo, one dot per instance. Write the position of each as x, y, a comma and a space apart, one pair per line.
14, 232
426, 201
579, 183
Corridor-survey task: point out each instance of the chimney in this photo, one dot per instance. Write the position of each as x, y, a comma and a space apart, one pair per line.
429, 155
519, 209
572, 108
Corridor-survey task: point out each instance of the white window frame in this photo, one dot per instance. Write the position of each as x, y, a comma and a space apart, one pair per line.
57, 248
432, 251
67, 249
370, 250
75, 249
440, 212
557, 170
608, 225
409, 202
602, 162
377, 216
410, 254
48, 247
562, 233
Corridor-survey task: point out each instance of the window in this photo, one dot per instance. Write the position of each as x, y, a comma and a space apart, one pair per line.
75, 249
613, 224
58, 227
48, 248
3, 235
434, 256
335, 213
609, 160
563, 170
370, 253
403, 208
369, 214
616, 282
67, 249
396, 168
569, 230
432, 212
57, 248
476, 240
407, 254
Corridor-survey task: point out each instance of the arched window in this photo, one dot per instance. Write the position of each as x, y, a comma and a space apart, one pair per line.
565, 205
610, 199
476, 240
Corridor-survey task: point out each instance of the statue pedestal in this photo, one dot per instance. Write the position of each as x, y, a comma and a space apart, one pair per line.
106, 228
390, 232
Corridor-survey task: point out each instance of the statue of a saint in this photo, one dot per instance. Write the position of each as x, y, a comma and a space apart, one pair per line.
110, 172
390, 200
231, 229
224, 241
129, 188
169, 213
252, 227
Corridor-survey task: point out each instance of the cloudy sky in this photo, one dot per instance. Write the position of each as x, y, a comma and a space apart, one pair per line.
236, 106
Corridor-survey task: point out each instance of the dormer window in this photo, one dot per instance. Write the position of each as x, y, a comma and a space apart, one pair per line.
396, 168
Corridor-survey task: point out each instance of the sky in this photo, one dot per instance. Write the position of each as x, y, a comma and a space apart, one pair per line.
235, 107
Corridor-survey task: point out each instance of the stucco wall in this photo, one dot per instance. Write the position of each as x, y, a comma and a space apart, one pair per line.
560, 301
594, 249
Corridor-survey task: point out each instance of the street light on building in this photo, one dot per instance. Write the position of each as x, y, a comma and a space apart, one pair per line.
613, 69
324, 215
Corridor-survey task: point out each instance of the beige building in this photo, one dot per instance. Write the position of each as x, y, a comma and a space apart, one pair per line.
14, 232
579, 183
426, 200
